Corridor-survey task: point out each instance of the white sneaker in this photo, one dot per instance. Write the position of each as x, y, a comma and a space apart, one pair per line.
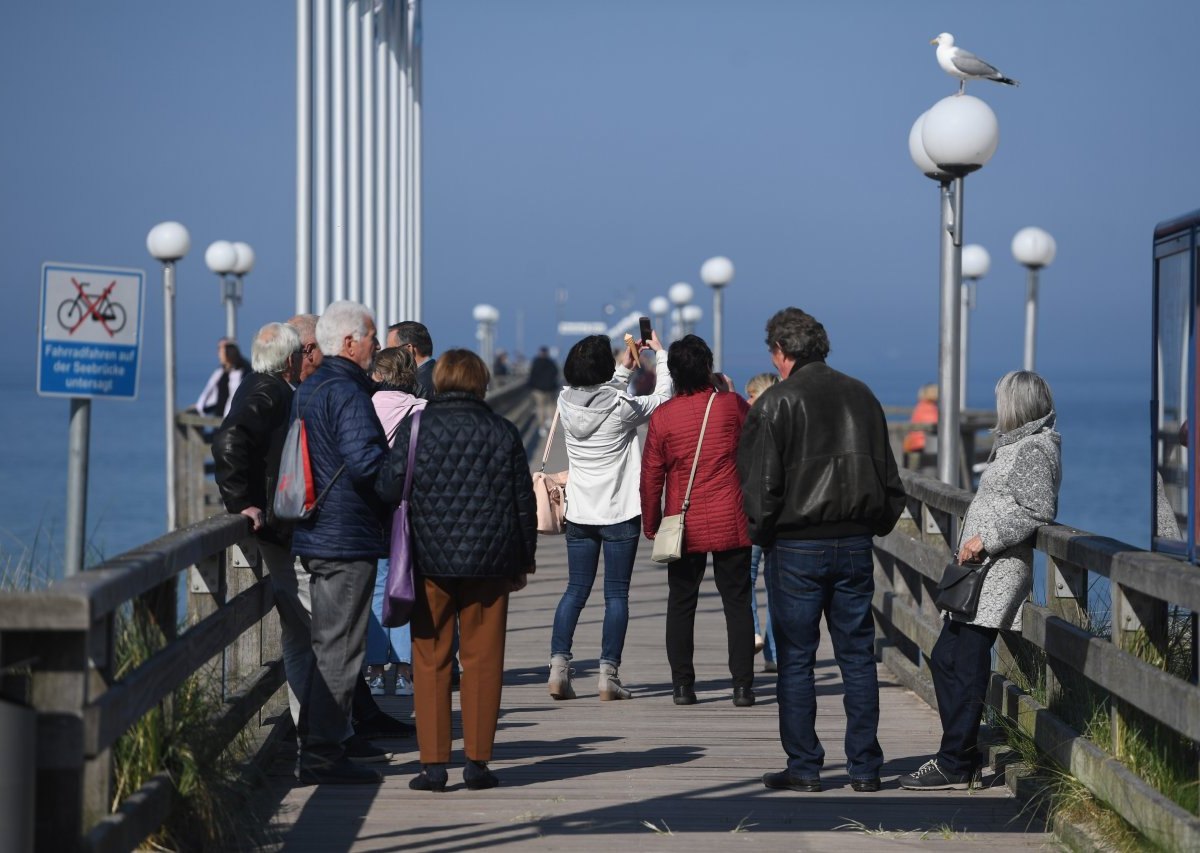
376, 685
403, 686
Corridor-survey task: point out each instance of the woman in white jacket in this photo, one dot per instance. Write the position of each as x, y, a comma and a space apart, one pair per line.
600, 422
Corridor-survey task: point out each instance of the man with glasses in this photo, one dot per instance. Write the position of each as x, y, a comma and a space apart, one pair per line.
341, 541
306, 326
818, 481
414, 337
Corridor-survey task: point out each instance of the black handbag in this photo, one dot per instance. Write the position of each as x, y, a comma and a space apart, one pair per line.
958, 590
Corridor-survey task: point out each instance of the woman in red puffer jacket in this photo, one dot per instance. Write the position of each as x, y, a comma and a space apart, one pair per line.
715, 521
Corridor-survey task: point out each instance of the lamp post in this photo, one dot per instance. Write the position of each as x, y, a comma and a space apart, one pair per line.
1033, 248
221, 258
680, 294
486, 316
955, 137
659, 306
169, 242
691, 314
975, 265
243, 263
717, 273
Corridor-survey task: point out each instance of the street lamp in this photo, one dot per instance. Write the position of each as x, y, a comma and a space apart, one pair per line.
717, 273
680, 294
243, 263
1034, 249
169, 242
659, 306
221, 258
691, 315
975, 265
486, 316
955, 137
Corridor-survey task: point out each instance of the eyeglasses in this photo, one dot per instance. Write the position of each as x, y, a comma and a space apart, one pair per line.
308, 349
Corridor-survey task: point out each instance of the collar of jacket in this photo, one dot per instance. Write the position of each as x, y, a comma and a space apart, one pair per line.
804, 362
1025, 430
458, 397
343, 366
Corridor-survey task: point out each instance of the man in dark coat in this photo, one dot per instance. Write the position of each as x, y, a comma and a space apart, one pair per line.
543, 380
246, 450
340, 543
415, 337
818, 481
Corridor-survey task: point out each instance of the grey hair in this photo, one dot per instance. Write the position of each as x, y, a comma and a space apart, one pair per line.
340, 319
273, 347
306, 325
798, 335
1021, 396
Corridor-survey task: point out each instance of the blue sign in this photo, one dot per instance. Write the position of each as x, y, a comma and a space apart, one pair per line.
90, 335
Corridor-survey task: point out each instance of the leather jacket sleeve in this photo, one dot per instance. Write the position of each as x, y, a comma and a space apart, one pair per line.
240, 448
760, 466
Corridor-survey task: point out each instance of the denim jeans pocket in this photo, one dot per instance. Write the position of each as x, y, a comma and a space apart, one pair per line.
861, 563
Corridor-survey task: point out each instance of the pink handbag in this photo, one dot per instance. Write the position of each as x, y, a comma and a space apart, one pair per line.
550, 492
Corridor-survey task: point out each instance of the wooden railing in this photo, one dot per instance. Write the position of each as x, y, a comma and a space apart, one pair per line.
1057, 655
57, 656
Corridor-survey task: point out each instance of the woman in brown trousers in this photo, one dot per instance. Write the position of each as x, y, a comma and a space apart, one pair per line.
474, 533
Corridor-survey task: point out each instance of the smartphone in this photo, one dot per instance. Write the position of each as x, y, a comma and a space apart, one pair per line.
646, 329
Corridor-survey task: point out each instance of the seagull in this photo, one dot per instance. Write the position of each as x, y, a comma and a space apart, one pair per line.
965, 65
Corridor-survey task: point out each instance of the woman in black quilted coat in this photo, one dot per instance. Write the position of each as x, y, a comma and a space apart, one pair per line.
474, 532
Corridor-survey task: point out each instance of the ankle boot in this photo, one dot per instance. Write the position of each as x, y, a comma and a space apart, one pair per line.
610, 684
560, 678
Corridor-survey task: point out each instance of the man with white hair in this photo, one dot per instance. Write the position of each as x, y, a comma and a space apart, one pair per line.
341, 541
306, 326
246, 450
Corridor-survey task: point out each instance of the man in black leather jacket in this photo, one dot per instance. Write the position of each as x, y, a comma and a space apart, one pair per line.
818, 481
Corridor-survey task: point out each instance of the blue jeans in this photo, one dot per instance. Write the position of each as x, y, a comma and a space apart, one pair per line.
756, 553
584, 542
806, 578
385, 645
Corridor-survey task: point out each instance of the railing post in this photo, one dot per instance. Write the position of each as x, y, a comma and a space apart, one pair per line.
1066, 598
1139, 626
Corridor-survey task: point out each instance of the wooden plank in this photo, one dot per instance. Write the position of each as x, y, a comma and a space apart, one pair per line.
929, 560
124, 703
1159, 694
140, 814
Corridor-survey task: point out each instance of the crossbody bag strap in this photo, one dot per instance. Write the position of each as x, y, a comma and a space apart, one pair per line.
549, 440
412, 454
687, 498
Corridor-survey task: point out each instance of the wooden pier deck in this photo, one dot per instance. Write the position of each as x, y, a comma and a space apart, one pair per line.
645, 774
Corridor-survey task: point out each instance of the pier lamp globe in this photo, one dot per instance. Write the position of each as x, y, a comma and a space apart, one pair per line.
221, 258
659, 307
169, 242
1033, 248
717, 273
975, 265
956, 136
486, 316
680, 293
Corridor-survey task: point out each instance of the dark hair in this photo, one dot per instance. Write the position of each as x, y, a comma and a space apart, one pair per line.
590, 362
690, 362
798, 335
412, 332
461, 370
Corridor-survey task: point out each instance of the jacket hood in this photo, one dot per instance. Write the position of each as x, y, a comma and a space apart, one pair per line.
583, 410
1042, 424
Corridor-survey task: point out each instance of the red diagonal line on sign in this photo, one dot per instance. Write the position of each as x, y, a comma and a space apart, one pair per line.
91, 307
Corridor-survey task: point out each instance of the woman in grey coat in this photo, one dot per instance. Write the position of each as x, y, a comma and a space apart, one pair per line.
1018, 493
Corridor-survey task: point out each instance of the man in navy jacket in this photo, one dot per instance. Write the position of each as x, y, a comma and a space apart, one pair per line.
340, 543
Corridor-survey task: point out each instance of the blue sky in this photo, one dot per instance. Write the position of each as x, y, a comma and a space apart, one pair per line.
609, 148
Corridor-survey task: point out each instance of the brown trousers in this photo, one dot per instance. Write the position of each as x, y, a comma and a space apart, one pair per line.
481, 608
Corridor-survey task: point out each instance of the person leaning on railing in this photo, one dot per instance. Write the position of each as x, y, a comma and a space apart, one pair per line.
1018, 493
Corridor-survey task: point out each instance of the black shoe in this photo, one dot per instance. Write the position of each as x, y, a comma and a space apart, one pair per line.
684, 695
431, 778
313, 770
362, 751
477, 777
865, 785
931, 777
383, 725
785, 781
743, 697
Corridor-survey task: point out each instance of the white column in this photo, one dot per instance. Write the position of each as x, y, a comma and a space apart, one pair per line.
416, 149
304, 129
366, 37
394, 98
402, 99
382, 111
354, 72
321, 223
338, 154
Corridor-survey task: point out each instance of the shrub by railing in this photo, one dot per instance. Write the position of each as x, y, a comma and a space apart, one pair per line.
1057, 657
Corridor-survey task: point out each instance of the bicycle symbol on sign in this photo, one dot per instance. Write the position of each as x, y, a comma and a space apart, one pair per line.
102, 309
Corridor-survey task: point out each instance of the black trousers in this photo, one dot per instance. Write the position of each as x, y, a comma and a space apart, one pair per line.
961, 664
731, 570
